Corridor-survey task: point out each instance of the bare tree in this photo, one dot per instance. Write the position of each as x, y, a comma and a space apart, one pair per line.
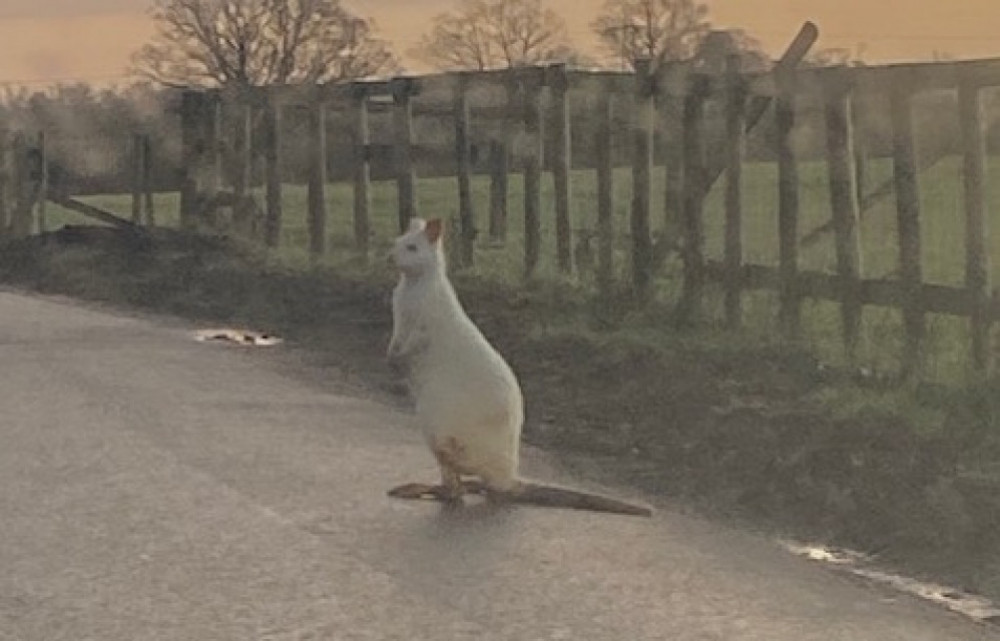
657, 30
716, 46
490, 34
259, 42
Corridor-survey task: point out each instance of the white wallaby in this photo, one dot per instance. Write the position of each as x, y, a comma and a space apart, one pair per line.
468, 401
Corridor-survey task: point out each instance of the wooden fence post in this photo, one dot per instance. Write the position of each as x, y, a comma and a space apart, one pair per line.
463, 153
272, 169
243, 213
908, 223
20, 223
191, 112
149, 209
862, 175
244, 148
533, 126
15, 179
201, 153
43, 182
138, 165
789, 316
605, 227
499, 168
735, 149
844, 199
5, 180
689, 307
673, 159
316, 195
362, 170
216, 141
561, 165
402, 90
642, 170
977, 259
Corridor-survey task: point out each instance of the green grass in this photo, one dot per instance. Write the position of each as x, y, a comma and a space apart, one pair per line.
941, 221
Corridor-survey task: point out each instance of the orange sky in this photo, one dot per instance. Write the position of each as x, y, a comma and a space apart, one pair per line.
46, 40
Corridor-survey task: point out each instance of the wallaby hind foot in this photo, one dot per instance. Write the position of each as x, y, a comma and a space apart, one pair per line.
429, 492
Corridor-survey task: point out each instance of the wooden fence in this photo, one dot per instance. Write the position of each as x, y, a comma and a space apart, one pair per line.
837, 90
668, 104
654, 99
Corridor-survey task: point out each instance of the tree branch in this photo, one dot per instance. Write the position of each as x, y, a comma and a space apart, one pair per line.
258, 42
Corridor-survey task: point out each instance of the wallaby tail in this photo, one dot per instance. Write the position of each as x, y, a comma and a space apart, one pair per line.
552, 496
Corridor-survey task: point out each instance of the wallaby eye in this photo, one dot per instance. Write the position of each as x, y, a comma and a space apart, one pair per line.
411, 247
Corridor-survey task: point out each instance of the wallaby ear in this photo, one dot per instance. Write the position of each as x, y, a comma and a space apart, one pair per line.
433, 229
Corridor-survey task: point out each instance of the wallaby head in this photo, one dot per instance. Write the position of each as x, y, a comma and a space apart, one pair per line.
420, 250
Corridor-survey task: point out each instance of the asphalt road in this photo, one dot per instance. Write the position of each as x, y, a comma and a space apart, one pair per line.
152, 487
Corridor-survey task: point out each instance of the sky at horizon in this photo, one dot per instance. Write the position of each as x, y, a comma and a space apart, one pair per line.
91, 40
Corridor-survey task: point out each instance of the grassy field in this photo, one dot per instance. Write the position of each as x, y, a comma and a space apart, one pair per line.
941, 219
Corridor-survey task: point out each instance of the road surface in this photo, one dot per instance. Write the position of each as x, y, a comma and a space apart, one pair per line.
153, 487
